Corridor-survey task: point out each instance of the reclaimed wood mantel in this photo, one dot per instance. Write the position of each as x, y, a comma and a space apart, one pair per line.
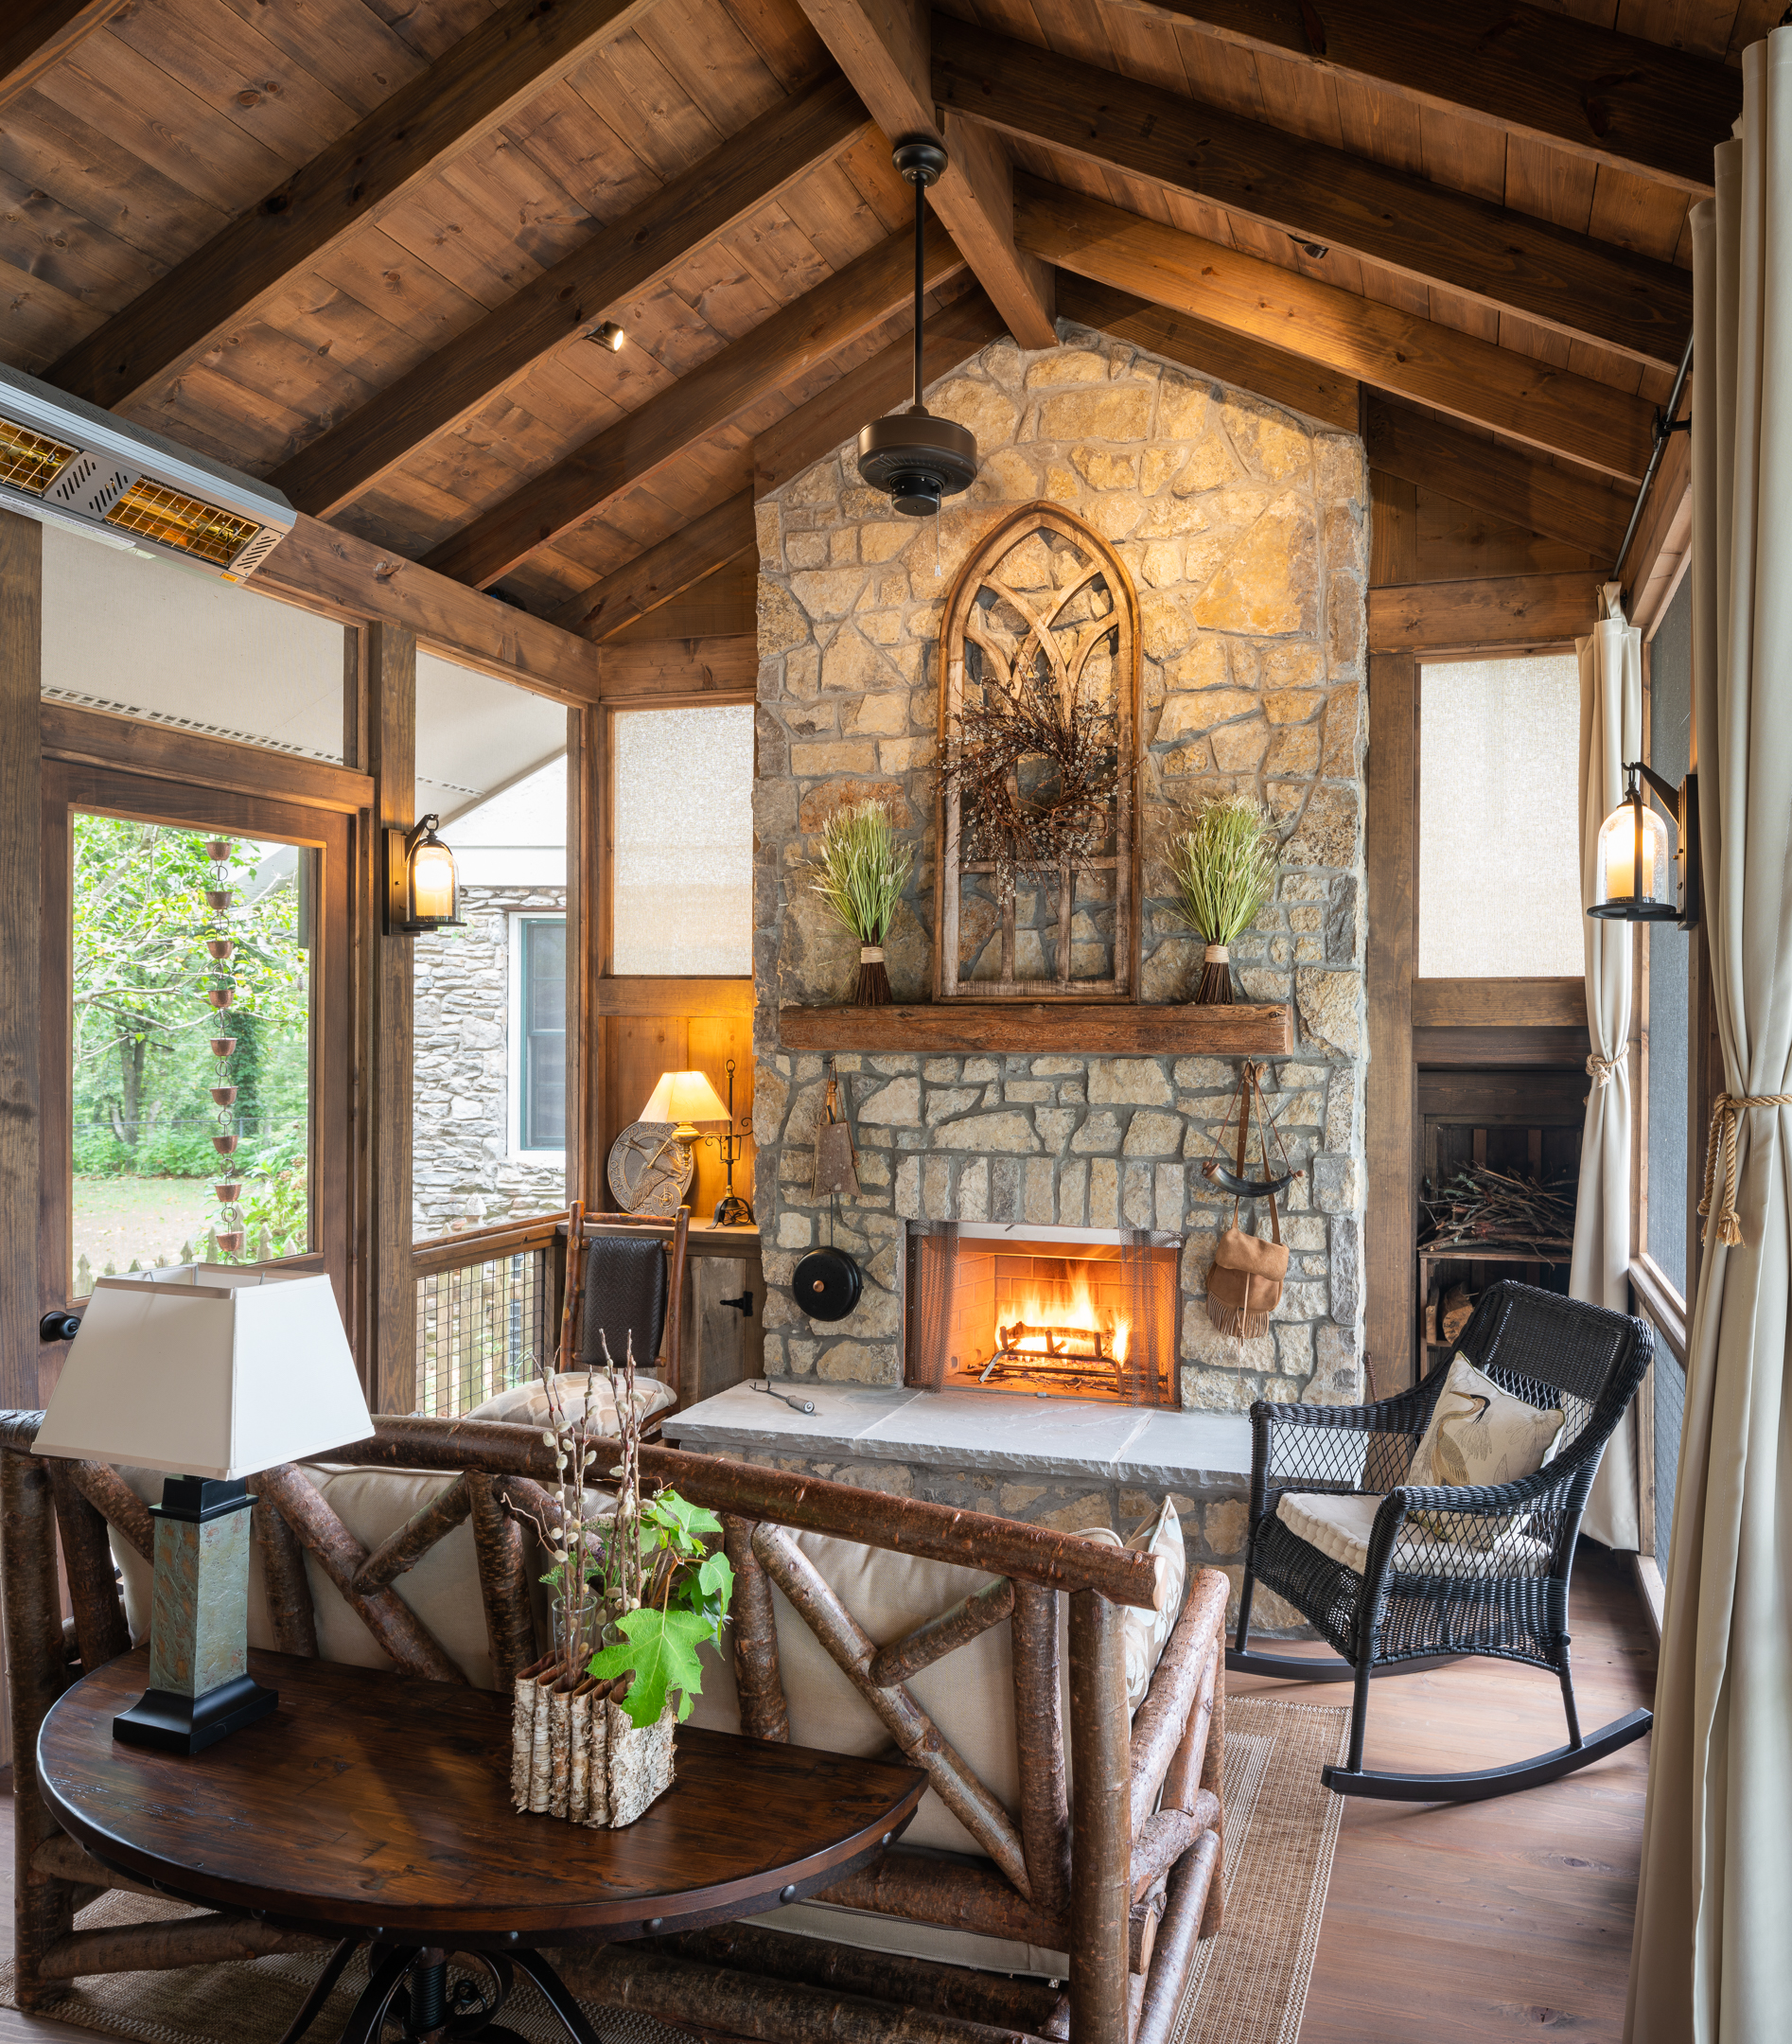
1099, 1028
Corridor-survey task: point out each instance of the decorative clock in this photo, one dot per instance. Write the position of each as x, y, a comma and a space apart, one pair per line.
650, 1170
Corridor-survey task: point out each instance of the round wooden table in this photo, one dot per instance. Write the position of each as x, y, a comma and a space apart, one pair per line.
376, 1809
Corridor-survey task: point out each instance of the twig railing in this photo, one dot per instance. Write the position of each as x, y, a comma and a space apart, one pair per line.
1122, 1875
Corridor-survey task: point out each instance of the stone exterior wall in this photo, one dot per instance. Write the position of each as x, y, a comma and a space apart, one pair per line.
1244, 528
462, 1169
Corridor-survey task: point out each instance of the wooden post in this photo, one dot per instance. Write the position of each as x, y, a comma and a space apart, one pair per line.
389, 1347
1391, 835
100, 1630
1100, 1807
290, 1610
36, 1674
504, 1581
586, 879
21, 825
763, 1712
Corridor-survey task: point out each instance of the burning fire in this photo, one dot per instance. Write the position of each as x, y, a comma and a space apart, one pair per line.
1046, 1322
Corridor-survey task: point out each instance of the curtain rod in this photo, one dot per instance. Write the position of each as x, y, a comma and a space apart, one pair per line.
1665, 423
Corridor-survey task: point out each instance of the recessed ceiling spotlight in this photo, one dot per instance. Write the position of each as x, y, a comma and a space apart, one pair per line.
1317, 250
917, 458
609, 336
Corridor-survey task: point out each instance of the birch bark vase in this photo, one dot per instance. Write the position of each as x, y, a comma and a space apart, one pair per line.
575, 1753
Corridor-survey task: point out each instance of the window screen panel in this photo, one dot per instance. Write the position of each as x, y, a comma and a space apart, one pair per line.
1499, 842
544, 1035
681, 900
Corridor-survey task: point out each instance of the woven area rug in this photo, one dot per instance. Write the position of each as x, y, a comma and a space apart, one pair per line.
1249, 1985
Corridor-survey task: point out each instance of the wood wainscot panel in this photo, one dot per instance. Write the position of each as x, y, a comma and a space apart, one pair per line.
630, 996
1509, 611
1557, 1003
640, 1044
1100, 1028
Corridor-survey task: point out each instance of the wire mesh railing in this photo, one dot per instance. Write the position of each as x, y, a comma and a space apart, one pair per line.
485, 1309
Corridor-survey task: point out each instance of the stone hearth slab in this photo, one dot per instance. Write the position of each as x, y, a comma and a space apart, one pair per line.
976, 1430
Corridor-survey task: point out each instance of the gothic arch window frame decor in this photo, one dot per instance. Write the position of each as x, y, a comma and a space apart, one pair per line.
1044, 614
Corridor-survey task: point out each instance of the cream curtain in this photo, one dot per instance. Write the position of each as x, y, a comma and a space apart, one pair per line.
1710, 1963
1610, 732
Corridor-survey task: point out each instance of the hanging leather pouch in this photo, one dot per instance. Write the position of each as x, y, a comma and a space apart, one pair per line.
1245, 1287
836, 1161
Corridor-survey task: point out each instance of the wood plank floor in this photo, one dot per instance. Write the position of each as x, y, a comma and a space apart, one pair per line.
1444, 1924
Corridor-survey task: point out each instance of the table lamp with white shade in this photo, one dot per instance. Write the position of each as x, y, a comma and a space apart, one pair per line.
208, 1373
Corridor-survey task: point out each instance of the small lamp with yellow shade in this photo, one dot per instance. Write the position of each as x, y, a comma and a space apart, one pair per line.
686, 1098
1635, 881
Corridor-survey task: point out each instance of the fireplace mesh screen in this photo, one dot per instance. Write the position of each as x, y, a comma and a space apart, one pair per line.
1084, 1319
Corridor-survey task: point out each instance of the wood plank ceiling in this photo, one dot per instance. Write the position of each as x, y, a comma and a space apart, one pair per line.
361, 246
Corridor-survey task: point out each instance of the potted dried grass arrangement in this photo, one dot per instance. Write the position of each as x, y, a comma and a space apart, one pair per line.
636, 1591
860, 874
1224, 864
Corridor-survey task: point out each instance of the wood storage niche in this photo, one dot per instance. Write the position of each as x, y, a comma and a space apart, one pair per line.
1037, 885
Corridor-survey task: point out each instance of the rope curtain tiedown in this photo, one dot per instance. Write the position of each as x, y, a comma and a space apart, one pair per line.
1725, 1109
1599, 1070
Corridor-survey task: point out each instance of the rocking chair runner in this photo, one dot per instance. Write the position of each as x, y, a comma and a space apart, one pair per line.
1485, 1570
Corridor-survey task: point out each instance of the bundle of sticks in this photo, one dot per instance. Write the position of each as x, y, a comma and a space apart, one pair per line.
1501, 1210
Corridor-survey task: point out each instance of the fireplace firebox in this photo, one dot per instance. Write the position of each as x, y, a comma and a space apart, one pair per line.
1044, 1312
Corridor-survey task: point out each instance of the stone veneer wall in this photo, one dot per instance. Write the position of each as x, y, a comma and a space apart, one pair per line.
1245, 530
461, 1092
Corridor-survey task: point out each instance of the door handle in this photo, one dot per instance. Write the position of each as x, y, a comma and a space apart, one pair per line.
744, 1304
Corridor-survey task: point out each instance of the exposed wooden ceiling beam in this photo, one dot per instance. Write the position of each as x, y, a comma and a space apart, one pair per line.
775, 353
878, 385
320, 568
882, 45
1642, 107
36, 35
1433, 365
662, 571
1558, 502
1571, 282
1251, 365
618, 262
492, 71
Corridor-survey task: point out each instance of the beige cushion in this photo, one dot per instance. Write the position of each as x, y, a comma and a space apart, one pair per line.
442, 1590
1146, 1632
1339, 1525
1479, 1434
527, 1403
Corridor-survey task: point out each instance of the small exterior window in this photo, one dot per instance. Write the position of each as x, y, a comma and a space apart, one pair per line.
540, 1032
682, 812
1499, 820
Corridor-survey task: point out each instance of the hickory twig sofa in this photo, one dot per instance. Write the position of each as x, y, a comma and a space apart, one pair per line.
1105, 1850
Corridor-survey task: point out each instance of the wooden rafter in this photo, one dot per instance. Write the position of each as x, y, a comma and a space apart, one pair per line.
1420, 359
662, 571
776, 352
35, 35
882, 45
481, 81
1502, 481
620, 260
1569, 281
1642, 107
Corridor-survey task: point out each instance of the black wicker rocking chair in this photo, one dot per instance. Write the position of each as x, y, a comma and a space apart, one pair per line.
1486, 1572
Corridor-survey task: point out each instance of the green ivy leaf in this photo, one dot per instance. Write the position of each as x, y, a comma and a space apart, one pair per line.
660, 1651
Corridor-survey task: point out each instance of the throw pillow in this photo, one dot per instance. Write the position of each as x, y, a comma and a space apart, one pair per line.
1145, 1633
526, 1404
1479, 1434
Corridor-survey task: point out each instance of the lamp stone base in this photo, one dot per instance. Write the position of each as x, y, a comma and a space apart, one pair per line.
187, 1724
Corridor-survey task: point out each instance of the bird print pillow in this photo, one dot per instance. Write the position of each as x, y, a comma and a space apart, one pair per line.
1479, 1434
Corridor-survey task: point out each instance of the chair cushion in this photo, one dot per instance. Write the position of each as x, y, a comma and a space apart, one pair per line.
1339, 1525
1479, 1434
1145, 1633
625, 1297
526, 1404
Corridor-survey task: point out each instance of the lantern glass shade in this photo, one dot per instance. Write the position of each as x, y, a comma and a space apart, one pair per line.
1635, 881
432, 883
684, 1097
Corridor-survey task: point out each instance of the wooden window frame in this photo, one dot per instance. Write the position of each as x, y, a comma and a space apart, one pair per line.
162, 797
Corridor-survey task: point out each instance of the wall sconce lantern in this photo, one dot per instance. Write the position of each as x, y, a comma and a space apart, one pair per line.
1634, 881
422, 893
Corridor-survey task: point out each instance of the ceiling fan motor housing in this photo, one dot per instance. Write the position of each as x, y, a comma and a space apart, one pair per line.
913, 457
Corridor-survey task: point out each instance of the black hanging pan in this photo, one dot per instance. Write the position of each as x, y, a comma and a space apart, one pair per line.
827, 1284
